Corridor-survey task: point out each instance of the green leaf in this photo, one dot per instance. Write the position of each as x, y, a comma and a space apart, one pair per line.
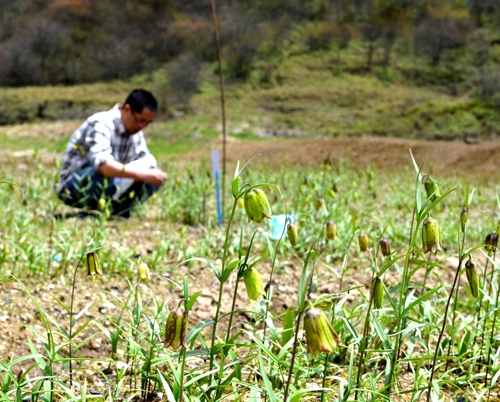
229, 268
197, 328
166, 387
269, 387
419, 300
381, 333
192, 300
288, 326
237, 170
271, 249
236, 187
389, 263
424, 210
296, 396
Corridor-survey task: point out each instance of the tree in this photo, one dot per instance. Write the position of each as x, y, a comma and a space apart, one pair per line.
36, 55
434, 35
480, 8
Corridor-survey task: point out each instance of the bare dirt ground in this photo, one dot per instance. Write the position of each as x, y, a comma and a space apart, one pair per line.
481, 158
18, 315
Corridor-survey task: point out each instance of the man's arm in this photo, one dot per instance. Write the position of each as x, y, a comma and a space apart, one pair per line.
112, 168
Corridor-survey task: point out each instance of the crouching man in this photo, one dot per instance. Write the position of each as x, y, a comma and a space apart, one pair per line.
107, 165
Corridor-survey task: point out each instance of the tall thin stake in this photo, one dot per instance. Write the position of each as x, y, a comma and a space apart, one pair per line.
222, 102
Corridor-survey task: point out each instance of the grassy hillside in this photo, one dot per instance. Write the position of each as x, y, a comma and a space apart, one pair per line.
305, 95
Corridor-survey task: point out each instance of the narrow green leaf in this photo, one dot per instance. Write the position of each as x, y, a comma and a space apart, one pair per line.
269, 387
197, 328
230, 268
381, 333
192, 300
390, 263
288, 326
235, 187
166, 387
419, 300
426, 209
271, 249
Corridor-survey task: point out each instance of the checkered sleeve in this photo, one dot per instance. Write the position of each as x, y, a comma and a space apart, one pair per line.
98, 139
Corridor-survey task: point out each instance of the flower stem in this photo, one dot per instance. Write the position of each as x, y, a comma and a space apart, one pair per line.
294, 351
181, 379
221, 288
457, 274
71, 320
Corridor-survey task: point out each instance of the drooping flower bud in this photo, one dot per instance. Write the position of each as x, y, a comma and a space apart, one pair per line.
320, 203
320, 336
93, 265
377, 293
131, 195
176, 328
253, 284
431, 237
464, 217
364, 242
491, 241
143, 272
256, 205
331, 231
292, 232
431, 188
101, 204
240, 203
472, 278
385, 246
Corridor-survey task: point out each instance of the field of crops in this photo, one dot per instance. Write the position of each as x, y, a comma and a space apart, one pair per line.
387, 291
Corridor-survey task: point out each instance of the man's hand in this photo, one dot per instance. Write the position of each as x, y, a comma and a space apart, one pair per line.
154, 177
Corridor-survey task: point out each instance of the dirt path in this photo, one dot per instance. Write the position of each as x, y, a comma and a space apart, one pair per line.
384, 153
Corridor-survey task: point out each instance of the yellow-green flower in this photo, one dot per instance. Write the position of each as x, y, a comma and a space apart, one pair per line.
472, 278
176, 328
93, 265
143, 272
377, 293
431, 237
257, 206
431, 188
292, 232
364, 242
332, 232
320, 336
253, 284
101, 204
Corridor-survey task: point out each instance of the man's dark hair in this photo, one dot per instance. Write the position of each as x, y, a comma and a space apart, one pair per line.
139, 99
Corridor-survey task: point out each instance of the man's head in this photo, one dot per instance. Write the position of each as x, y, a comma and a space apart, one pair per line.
140, 109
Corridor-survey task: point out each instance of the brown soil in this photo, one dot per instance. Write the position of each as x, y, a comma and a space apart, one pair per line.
383, 153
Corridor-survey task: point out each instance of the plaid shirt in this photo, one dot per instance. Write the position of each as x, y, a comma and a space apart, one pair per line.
100, 139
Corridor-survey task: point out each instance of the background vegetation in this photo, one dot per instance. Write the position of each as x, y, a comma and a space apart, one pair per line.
415, 68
